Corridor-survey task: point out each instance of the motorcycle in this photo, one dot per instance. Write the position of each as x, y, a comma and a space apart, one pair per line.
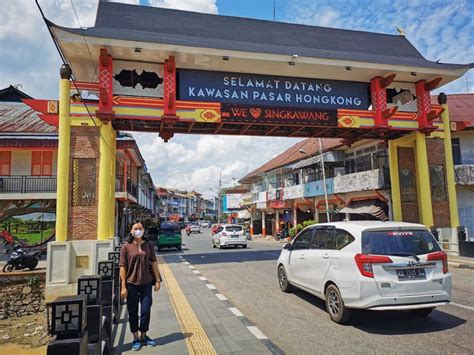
20, 259
281, 235
247, 235
188, 231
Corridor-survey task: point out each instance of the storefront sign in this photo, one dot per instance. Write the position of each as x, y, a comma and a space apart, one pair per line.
274, 91
277, 204
279, 115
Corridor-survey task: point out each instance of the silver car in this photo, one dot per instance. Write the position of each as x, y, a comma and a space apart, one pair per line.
229, 235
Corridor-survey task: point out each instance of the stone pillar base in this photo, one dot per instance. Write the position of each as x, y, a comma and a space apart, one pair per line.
67, 261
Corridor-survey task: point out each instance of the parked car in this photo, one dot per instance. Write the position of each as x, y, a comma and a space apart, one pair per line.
229, 235
367, 265
195, 228
169, 236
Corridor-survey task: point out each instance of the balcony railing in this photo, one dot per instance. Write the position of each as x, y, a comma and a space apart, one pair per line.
464, 174
131, 186
27, 184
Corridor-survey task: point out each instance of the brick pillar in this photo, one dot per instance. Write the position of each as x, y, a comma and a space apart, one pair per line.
84, 182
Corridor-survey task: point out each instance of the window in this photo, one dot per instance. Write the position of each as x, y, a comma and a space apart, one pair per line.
303, 240
5, 163
343, 238
220, 229
456, 146
41, 163
323, 239
233, 229
398, 242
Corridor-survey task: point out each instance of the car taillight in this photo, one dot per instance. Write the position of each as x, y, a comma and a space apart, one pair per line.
364, 263
224, 234
440, 255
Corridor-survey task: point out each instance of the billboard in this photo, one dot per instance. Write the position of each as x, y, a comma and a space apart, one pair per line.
274, 91
233, 201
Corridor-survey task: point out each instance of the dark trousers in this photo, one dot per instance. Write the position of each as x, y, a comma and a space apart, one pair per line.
139, 294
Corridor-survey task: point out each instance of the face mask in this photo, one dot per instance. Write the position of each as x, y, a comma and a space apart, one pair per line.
138, 233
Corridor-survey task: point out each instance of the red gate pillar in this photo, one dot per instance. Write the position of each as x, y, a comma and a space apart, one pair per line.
378, 93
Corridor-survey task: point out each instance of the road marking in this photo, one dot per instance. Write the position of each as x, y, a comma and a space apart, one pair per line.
191, 267
186, 262
256, 332
221, 297
196, 338
211, 287
202, 278
462, 306
179, 256
196, 272
236, 312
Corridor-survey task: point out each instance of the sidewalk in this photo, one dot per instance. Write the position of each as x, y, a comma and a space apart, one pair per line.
189, 316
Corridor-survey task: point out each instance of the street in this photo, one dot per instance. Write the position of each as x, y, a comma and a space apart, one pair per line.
298, 323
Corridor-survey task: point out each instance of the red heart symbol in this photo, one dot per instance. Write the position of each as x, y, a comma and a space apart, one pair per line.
255, 112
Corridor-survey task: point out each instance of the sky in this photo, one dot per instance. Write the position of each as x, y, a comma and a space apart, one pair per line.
439, 29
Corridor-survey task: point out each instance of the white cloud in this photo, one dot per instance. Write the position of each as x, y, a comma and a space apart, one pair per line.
208, 6
195, 162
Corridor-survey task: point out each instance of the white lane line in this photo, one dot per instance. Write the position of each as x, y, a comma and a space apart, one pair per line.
202, 278
191, 267
196, 272
256, 332
462, 306
221, 297
236, 312
186, 262
179, 256
211, 287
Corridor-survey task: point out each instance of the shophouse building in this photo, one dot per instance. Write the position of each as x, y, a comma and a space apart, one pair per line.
28, 169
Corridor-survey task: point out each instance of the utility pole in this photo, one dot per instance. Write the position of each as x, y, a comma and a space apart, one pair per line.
219, 201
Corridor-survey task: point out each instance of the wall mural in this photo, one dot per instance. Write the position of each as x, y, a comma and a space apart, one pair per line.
362, 181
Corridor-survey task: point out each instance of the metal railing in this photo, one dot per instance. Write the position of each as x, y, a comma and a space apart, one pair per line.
131, 186
26, 183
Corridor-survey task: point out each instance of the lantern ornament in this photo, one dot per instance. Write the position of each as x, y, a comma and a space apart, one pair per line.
90, 285
106, 269
68, 316
114, 256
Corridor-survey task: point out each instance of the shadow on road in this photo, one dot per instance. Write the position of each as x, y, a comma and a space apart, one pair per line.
237, 256
392, 322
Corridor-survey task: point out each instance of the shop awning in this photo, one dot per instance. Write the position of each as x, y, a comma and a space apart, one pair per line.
375, 207
329, 157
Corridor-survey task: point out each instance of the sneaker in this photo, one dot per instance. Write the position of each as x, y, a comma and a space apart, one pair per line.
136, 345
148, 342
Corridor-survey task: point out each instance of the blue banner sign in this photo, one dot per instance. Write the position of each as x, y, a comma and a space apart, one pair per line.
316, 188
254, 89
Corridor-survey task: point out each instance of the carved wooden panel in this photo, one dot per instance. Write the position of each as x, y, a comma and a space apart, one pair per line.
407, 186
438, 183
84, 182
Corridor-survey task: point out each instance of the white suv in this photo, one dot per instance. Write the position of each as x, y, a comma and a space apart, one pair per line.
229, 235
367, 265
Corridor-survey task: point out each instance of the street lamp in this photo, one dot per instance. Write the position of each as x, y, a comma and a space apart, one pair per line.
301, 150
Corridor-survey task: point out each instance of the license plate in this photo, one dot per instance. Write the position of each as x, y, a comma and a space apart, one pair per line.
411, 274
234, 236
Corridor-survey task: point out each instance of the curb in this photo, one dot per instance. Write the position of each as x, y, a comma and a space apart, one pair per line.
251, 327
461, 265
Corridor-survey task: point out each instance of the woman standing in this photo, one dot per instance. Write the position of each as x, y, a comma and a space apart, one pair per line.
138, 273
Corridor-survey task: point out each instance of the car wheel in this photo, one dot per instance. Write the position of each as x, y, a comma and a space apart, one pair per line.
283, 280
244, 246
219, 244
158, 249
178, 247
421, 312
335, 305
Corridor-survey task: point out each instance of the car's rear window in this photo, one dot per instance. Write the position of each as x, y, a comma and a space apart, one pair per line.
233, 228
398, 242
170, 226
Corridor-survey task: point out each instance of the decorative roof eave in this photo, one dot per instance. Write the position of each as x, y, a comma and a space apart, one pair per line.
73, 43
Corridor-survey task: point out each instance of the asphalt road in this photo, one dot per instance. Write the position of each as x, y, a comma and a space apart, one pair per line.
298, 322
